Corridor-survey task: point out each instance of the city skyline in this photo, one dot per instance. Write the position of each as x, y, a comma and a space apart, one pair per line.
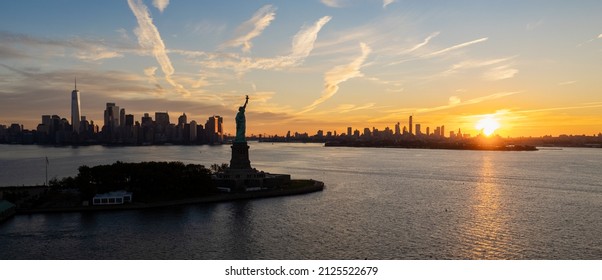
320, 65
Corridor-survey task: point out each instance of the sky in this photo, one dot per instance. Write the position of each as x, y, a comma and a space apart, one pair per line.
534, 66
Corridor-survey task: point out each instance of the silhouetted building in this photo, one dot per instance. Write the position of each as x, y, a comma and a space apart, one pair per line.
214, 131
193, 131
122, 117
75, 108
162, 119
129, 120
182, 119
367, 132
410, 125
111, 115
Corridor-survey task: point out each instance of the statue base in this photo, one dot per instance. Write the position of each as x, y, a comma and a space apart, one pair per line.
240, 156
240, 177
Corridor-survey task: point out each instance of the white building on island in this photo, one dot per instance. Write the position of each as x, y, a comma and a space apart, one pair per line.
112, 198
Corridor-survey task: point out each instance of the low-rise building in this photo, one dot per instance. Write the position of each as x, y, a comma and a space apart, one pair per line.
112, 198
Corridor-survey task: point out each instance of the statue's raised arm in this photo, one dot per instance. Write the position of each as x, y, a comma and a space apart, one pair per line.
246, 101
241, 123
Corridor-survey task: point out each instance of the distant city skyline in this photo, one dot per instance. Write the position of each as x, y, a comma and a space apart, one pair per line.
529, 67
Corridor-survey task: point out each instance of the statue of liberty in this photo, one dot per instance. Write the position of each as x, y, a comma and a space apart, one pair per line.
241, 123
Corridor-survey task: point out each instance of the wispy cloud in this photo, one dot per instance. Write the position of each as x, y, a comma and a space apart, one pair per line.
600, 36
346, 108
152, 79
339, 74
566, 83
387, 3
423, 43
503, 68
160, 4
253, 28
150, 39
96, 53
458, 46
303, 42
500, 73
533, 25
87, 50
206, 28
581, 106
415, 48
302, 45
332, 3
453, 101
468, 64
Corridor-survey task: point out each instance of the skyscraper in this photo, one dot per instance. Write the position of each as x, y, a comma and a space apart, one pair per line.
122, 117
214, 129
111, 116
410, 126
75, 112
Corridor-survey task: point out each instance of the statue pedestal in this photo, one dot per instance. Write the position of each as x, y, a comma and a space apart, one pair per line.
240, 177
240, 156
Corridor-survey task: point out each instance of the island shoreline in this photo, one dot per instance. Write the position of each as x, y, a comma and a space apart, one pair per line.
315, 186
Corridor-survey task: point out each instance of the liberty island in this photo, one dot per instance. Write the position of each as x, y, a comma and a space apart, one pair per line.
157, 184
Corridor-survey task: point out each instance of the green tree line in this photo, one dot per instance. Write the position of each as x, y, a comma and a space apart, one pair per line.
149, 181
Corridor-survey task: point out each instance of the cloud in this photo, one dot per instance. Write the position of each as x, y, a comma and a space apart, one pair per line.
346, 108
96, 53
206, 28
150, 39
303, 42
469, 64
533, 25
424, 43
500, 73
302, 45
600, 36
152, 79
566, 83
24, 46
339, 74
582, 106
160, 4
387, 3
332, 3
415, 48
7, 52
253, 28
459, 46
454, 101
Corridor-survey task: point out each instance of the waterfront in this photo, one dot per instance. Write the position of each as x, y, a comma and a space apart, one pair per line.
378, 204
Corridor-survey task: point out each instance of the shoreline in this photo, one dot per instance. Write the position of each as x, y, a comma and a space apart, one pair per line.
315, 186
433, 146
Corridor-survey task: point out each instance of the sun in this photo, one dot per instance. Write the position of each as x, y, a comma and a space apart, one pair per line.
488, 125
